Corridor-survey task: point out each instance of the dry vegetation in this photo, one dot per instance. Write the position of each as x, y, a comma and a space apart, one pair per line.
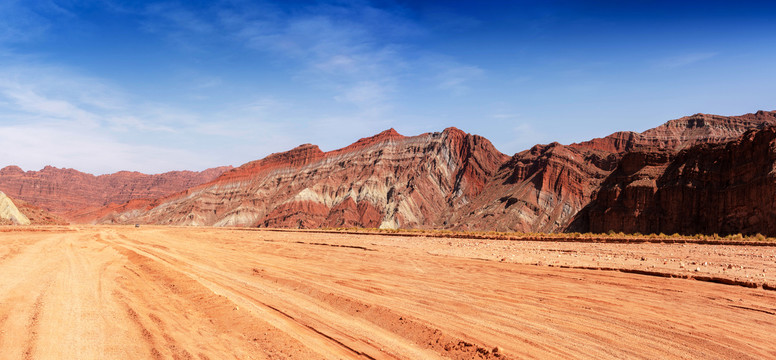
572, 236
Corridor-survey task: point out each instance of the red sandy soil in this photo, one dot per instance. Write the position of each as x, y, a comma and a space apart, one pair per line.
207, 293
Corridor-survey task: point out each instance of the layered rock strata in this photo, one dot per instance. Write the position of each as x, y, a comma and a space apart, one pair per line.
387, 180
544, 189
62, 191
455, 180
711, 188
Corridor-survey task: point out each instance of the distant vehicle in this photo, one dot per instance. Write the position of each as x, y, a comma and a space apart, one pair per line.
137, 225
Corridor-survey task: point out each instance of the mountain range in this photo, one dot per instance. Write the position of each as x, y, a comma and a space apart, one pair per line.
697, 174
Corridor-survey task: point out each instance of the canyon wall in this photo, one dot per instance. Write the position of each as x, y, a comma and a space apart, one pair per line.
712, 188
627, 181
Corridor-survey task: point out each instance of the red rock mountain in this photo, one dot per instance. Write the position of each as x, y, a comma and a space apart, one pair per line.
438, 180
61, 191
626, 181
387, 180
709, 188
543, 189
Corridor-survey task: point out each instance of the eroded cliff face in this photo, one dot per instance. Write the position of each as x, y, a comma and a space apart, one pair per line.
453, 180
711, 188
387, 180
540, 189
543, 189
684, 132
62, 191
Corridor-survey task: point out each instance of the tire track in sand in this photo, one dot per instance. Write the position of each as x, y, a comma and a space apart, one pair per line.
365, 337
32, 326
153, 286
181, 293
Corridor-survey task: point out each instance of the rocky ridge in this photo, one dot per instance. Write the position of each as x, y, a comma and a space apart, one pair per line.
387, 180
456, 180
711, 188
62, 191
543, 189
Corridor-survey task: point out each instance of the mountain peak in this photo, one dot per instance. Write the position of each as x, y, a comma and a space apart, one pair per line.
384, 136
11, 170
389, 132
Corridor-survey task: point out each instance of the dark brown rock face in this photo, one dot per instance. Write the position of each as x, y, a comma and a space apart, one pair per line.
65, 190
543, 189
712, 188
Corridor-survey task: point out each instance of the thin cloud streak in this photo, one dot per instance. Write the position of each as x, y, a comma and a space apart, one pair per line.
32, 146
231, 81
684, 60
53, 117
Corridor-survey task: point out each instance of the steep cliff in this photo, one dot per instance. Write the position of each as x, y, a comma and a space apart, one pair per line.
684, 132
710, 188
540, 189
456, 180
544, 188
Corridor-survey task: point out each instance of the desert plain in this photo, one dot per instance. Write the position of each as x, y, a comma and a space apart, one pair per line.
120, 292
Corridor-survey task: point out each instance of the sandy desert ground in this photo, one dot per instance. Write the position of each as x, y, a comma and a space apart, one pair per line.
203, 293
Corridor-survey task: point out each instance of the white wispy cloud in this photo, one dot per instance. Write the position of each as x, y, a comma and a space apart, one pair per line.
19, 22
182, 27
53, 116
92, 150
684, 60
26, 100
47, 93
335, 47
352, 50
352, 57
455, 77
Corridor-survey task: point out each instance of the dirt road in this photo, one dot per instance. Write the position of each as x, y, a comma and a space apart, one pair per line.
191, 293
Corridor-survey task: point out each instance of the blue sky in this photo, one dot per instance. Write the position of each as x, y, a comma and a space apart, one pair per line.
107, 85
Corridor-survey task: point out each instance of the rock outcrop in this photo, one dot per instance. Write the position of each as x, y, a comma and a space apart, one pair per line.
710, 188
9, 213
387, 180
537, 190
544, 189
684, 132
627, 181
62, 191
